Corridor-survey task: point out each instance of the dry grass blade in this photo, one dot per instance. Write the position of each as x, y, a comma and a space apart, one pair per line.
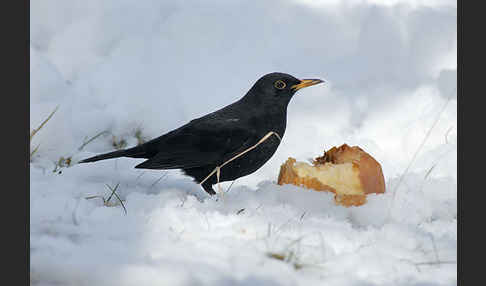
158, 180
32, 134
447, 134
139, 176
436, 262
430, 263
121, 202
429, 171
277, 256
62, 163
285, 258
229, 188
140, 138
92, 138
395, 189
297, 240
113, 193
436, 253
33, 151
426, 176
106, 201
94, 197
43, 123
302, 216
118, 144
113, 190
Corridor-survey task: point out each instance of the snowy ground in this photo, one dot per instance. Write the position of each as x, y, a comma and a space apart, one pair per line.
122, 66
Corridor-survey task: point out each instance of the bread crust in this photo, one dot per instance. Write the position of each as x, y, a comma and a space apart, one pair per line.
363, 168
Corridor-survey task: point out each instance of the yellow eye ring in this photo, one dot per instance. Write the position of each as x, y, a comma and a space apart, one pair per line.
279, 84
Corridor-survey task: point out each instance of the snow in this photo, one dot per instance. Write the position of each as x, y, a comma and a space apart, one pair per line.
151, 66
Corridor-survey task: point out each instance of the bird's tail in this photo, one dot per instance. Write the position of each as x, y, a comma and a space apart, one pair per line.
135, 152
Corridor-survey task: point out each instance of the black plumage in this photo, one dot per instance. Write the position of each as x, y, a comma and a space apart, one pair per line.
201, 145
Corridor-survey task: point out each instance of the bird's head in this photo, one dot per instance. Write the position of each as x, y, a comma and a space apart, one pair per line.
279, 87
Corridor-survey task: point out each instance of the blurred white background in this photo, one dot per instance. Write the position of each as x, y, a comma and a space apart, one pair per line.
119, 65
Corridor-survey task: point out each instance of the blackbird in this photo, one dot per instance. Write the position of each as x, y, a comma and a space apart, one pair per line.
227, 144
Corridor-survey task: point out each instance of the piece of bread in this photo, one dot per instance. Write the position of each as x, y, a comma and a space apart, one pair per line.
349, 172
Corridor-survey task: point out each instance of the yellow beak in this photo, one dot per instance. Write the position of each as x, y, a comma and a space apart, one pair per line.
305, 83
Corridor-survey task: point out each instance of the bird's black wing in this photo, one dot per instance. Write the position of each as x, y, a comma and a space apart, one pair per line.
199, 143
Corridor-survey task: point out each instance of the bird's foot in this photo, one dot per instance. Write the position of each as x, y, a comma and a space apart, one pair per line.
208, 188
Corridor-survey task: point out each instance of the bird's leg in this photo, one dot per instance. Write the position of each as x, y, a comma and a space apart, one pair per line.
264, 138
217, 170
208, 188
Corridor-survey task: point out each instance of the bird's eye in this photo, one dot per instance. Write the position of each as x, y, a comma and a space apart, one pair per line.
279, 84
